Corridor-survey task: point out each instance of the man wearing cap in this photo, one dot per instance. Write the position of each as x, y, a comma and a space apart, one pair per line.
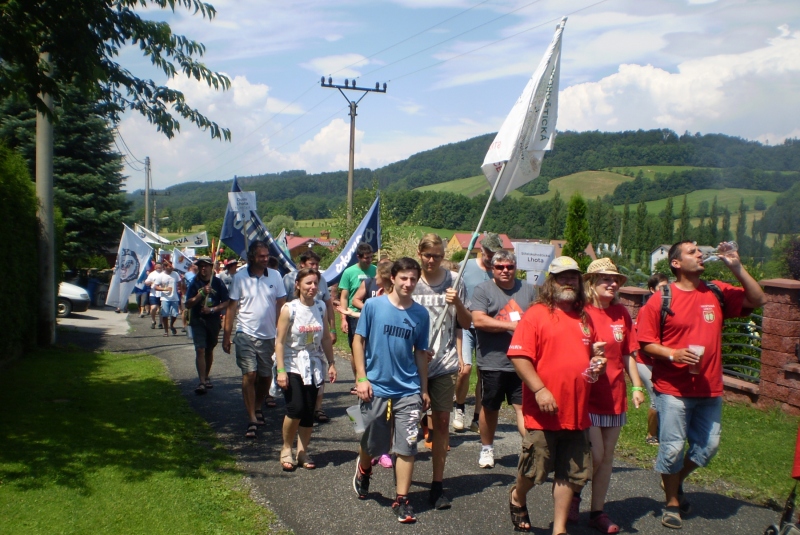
226, 275
497, 307
476, 271
206, 297
688, 387
555, 353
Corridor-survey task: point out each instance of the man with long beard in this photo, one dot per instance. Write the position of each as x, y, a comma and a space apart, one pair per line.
555, 354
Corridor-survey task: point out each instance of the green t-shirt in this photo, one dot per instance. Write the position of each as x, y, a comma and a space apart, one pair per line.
351, 280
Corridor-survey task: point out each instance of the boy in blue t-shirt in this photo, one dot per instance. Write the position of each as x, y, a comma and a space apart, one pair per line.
390, 351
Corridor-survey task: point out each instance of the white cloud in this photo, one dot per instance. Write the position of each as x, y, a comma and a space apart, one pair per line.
703, 94
341, 65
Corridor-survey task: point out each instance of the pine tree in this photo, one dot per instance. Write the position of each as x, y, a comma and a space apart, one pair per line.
713, 222
641, 227
87, 171
725, 233
684, 228
577, 230
626, 242
554, 225
741, 226
667, 223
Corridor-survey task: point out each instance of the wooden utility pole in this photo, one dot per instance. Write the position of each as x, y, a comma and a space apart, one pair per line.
46, 245
353, 105
150, 223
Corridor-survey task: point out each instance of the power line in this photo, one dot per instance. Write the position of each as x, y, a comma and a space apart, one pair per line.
125, 158
126, 146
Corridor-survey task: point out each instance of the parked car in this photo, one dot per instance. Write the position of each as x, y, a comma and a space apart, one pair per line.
71, 299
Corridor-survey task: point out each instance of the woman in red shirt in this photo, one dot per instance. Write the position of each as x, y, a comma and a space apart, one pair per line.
608, 398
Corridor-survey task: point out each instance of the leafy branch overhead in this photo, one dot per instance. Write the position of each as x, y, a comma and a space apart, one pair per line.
83, 40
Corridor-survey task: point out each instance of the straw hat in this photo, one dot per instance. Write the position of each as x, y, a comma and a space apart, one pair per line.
604, 266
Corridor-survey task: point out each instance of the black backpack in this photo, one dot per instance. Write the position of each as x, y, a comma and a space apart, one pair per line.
666, 301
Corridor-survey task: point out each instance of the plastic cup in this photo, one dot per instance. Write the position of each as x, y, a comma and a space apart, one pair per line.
697, 350
354, 413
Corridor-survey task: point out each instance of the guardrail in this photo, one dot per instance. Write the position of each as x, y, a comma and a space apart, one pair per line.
741, 348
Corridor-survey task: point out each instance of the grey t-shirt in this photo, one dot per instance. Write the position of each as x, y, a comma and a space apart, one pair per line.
445, 358
504, 305
473, 276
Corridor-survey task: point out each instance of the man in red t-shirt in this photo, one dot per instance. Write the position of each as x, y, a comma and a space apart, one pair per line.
687, 365
552, 349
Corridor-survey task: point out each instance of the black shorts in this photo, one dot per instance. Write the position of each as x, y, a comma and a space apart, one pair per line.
300, 400
205, 331
499, 386
352, 323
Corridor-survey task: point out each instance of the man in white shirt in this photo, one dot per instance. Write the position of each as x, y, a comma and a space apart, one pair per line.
257, 293
167, 284
154, 299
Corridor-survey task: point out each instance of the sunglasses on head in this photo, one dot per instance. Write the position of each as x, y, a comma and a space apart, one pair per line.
504, 267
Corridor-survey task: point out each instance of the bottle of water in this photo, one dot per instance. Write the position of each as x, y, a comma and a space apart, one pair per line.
723, 249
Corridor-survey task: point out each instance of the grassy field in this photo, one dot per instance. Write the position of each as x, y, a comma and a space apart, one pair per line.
729, 197
104, 443
590, 184
649, 171
755, 454
309, 228
471, 187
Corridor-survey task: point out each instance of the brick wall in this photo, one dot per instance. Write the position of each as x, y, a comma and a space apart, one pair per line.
780, 345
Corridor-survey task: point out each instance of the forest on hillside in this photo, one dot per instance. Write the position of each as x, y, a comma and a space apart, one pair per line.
734, 162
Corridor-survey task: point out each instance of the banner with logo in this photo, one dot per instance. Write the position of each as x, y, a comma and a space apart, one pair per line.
133, 256
369, 230
232, 234
149, 236
195, 240
180, 261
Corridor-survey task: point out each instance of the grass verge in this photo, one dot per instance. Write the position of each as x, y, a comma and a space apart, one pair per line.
755, 456
104, 443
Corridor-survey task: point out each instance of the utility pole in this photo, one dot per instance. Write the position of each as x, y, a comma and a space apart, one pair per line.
353, 105
150, 224
44, 193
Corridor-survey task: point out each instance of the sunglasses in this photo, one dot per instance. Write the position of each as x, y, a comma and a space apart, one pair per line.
504, 267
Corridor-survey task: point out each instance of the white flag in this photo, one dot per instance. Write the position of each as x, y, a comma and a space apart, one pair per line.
133, 256
149, 236
180, 262
195, 240
530, 128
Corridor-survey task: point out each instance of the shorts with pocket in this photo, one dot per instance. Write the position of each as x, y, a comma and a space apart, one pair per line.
441, 390
169, 309
567, 453
382, 416
499, 386
254, 354
205, 331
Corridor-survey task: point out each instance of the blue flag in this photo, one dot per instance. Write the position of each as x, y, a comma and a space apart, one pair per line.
232, 236
368, 231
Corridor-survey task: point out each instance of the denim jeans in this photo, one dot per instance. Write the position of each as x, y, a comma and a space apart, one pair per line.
697, 420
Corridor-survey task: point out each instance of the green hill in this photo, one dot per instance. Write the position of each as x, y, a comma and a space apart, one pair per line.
729, 197
590, 184
471, 187
649, 171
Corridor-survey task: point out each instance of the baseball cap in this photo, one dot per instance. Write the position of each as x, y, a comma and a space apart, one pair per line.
562, 264
204, 260
230, 262
492, 242
604, 266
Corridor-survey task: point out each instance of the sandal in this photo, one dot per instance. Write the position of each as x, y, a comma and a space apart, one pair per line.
306, 461
166, 334
200, 389
209, 386
519, 513
651, 441
260, 418
251, 430
603, 524
672, 518
321, 417
287, 463
269, 402
354, 391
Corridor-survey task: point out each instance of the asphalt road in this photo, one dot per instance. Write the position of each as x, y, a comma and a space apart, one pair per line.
323, 500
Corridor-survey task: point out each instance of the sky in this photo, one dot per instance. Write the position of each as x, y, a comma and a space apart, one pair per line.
453, 70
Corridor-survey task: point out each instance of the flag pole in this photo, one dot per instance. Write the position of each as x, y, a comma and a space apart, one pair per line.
440, 320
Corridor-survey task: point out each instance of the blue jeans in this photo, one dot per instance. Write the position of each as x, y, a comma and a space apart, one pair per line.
467, 345
697, 420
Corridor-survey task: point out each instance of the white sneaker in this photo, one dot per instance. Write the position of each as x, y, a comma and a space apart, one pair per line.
458, 419
486, 459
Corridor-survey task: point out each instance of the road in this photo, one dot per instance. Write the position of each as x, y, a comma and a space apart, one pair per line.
323, 500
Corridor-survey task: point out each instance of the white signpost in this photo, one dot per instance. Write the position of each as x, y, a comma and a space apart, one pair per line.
535, 259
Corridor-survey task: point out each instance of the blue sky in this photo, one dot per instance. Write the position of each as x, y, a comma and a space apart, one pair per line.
455, 67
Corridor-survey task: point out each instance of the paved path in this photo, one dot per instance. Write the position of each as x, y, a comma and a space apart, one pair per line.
323, 500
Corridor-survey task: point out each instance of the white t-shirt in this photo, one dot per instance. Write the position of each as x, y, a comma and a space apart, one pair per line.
257, 297
170, 281
154, 277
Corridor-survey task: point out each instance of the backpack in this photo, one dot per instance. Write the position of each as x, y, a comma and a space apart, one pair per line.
666, 301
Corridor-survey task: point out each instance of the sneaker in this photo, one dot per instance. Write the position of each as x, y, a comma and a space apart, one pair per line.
361, 482
439, 502
574, 510
458, 419
486, 459
385, 461
475, 427
603, 524
404, 511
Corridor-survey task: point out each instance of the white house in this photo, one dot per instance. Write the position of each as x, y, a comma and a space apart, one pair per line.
662, 251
